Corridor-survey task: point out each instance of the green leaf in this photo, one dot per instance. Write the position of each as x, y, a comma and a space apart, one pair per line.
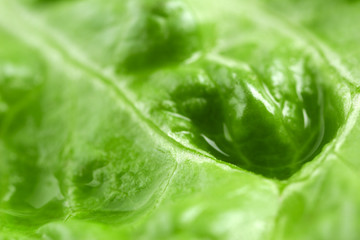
175, 119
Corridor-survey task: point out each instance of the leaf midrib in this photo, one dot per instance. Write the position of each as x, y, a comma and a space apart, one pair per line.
35, 32
31, 30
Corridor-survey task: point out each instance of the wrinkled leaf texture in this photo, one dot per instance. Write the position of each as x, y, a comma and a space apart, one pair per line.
179, 119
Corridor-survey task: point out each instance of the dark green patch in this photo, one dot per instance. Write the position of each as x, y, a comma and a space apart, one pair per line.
270, 121
165, 33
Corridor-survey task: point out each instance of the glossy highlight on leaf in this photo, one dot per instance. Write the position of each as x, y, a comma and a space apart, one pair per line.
270, 123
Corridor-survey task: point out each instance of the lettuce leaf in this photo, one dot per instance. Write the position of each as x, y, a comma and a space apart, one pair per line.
176, 119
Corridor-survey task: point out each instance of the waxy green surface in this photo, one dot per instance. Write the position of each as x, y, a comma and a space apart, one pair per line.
179, 119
